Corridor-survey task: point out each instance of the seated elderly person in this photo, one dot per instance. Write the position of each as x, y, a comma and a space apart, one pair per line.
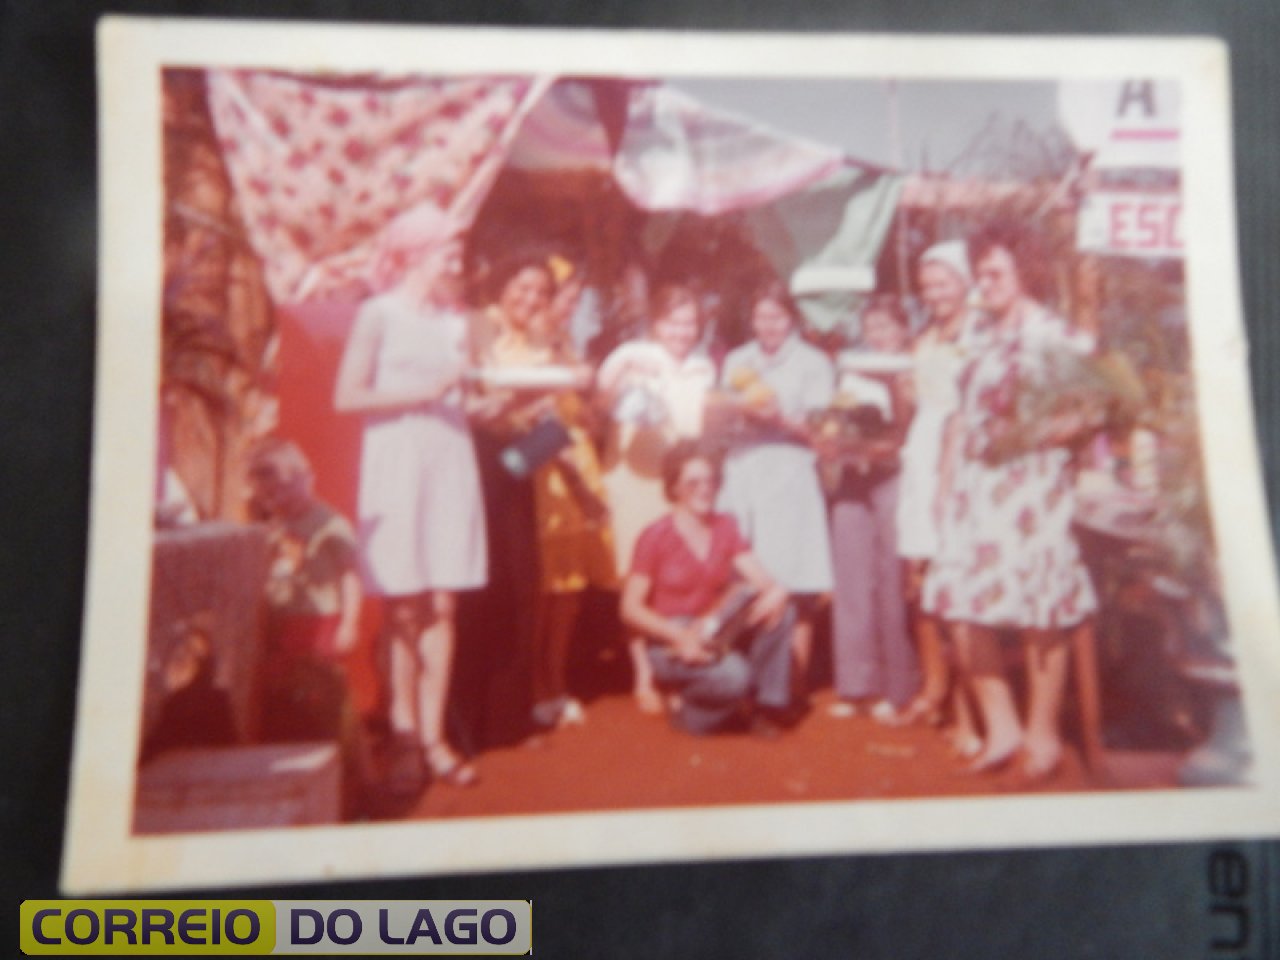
716, 624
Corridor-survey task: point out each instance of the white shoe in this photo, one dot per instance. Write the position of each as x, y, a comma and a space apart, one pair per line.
885, 713
572, 713
842, 709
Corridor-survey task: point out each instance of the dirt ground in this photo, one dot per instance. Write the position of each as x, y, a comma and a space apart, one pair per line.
621, 758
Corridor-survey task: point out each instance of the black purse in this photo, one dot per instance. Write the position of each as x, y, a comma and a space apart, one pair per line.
545, 439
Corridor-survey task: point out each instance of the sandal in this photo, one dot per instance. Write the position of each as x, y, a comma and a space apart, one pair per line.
649, 701
921, 711
988, 763
449, 768
963, 744
1040, 764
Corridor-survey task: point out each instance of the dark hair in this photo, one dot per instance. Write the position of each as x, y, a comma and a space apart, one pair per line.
889, 305
671, 296
282, 459
682, 453
513, 264
1030, 258
775, 290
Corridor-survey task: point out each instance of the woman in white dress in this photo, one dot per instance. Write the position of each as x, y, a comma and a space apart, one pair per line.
420, 516
655, 391
771, 484
940, 355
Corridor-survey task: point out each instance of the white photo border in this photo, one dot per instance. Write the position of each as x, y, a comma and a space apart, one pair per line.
101, 851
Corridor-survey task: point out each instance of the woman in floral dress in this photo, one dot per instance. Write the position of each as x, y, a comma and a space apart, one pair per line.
1007, 558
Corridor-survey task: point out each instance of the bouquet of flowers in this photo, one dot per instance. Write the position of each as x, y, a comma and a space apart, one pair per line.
1059, 399
729, 414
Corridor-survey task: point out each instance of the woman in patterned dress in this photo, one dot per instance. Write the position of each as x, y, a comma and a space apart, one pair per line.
1007, 558
575, 547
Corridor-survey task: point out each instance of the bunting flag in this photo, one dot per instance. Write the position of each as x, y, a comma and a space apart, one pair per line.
321, 165
678, 154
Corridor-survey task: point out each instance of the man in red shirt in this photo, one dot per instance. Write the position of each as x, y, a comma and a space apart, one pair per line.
685, 567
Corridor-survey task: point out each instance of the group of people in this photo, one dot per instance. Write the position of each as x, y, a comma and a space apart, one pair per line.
726, 496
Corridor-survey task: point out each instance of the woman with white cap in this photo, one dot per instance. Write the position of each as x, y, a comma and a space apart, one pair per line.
940, 353
420, 515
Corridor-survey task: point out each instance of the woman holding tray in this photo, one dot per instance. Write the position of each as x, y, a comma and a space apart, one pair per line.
775, 383
655, 390
1007, 558
875, 664
574, 544
420, 516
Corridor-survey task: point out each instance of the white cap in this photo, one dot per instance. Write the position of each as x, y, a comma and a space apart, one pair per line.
951, 254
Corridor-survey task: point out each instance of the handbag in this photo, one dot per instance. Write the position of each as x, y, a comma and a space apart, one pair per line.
544, 440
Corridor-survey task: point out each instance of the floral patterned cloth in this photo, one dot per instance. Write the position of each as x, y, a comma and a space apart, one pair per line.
320, 165
1007, 556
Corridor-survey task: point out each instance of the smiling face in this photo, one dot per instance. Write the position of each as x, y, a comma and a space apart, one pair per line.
697, 486
998, 281
525, 297
942, 290
434, 271
882, 331
771, 324
677, 329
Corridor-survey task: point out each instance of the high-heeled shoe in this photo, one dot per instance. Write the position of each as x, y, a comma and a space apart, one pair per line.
991, 763
963, 744
1039, 766
447, 767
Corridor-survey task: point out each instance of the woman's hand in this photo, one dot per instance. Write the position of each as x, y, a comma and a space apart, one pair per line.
583, 377
687, 644
767, 609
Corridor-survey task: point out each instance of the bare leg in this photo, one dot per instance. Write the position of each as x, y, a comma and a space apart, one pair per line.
643, 688
980, 660
1085, 658
927, 704
436, 644
403, 626
963, 735
1047, 654
801, 656
936, 673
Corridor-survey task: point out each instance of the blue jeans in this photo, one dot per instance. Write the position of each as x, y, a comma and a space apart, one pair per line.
712, 693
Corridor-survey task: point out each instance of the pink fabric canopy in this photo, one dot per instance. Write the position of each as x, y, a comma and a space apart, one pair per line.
321, 164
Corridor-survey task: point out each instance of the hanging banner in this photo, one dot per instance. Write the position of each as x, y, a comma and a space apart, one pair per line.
1131, 224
